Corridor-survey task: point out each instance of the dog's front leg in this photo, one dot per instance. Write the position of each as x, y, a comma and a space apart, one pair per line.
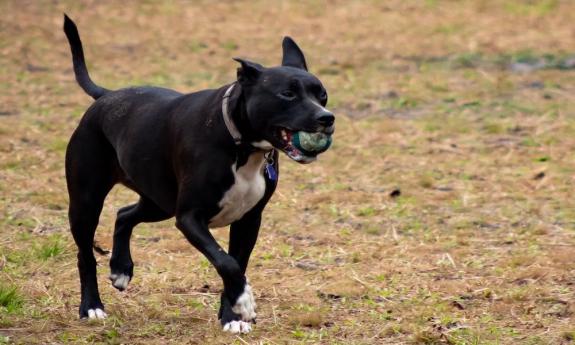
197, 232
243, 236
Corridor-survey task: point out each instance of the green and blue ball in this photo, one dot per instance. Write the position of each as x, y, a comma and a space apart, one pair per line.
311, 144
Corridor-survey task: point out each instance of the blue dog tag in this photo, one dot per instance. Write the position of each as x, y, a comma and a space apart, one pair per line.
271, 171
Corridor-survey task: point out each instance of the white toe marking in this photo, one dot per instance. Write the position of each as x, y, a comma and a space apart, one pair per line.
96, 314
120, 280
237, 327
246, 304
100, 314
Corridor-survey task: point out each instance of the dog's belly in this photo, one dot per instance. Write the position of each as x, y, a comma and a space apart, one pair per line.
248, 189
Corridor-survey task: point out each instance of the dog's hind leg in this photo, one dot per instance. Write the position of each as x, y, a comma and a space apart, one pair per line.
89, 175
121, 265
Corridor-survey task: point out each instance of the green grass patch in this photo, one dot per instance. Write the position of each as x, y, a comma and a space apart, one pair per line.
531, 8
10, 299
50, 248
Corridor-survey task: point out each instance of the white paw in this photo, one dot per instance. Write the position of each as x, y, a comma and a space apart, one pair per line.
120, 281
238, 327
246, 304
96, 314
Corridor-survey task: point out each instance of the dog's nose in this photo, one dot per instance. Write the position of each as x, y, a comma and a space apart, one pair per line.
325, 118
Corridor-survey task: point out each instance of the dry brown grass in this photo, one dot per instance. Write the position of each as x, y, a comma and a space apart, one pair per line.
477, 249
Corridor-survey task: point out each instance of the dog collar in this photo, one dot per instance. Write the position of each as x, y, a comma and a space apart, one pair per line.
228, 119
231, 126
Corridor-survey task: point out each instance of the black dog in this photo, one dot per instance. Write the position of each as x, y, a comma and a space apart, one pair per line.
208, 158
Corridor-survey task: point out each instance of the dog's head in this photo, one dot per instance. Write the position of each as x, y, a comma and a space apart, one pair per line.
281, 101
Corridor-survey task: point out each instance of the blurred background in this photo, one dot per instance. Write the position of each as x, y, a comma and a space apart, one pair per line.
442, 214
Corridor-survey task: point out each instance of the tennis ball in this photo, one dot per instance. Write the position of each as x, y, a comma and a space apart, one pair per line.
311, 143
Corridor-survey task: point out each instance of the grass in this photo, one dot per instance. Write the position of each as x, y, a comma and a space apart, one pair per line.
442, 214
10, 300
49, 249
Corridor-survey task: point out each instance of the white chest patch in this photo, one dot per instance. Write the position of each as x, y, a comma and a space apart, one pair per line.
248, 189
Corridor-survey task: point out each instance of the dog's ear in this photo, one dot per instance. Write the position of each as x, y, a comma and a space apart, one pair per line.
249, 71
293, 56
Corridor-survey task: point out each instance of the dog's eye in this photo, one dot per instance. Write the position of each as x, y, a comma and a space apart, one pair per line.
288, 95
323, 98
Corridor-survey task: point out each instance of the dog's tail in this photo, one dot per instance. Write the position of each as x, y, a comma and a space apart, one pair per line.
80, 70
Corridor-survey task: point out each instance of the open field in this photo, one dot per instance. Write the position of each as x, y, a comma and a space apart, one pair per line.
443, 214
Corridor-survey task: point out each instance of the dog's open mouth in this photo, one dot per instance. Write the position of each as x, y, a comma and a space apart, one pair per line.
289, 145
